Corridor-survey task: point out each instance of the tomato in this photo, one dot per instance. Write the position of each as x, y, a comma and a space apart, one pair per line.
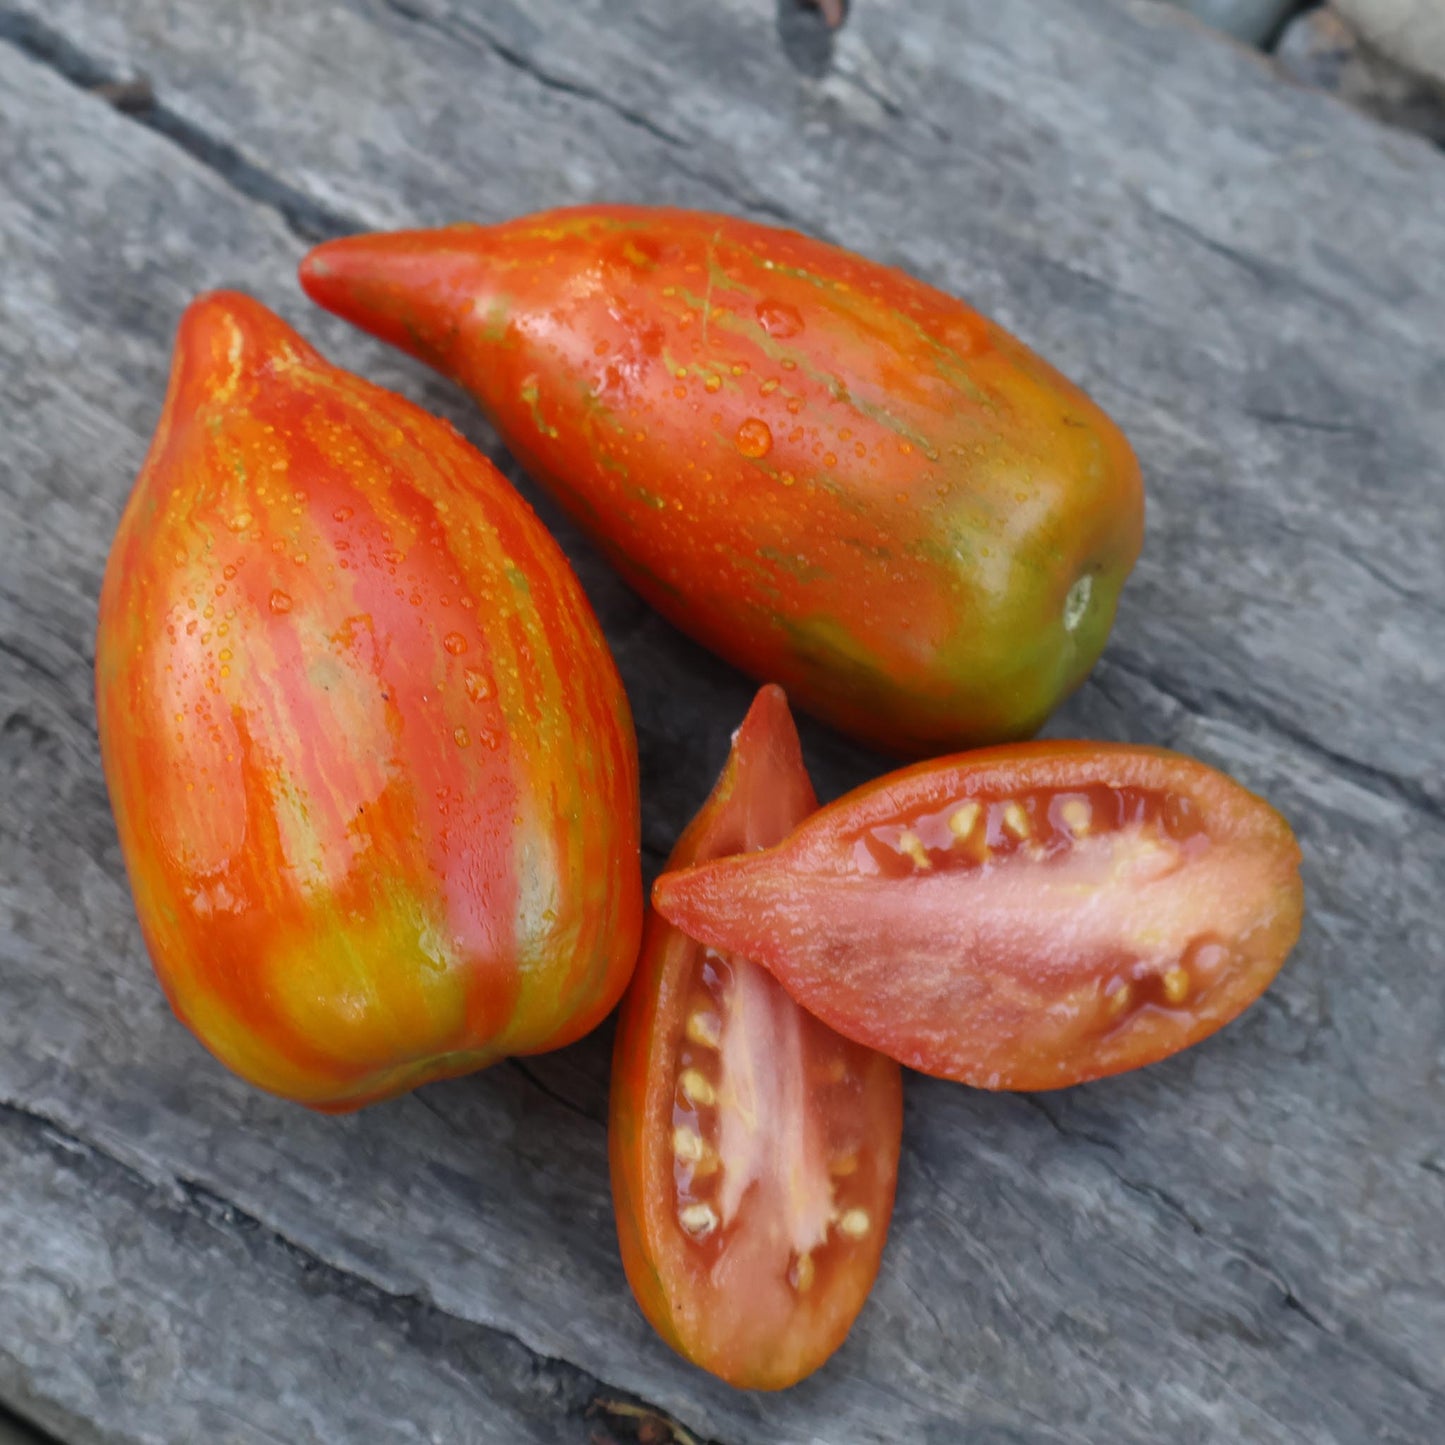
1020, 918
754, 1151
371, 763
833, 475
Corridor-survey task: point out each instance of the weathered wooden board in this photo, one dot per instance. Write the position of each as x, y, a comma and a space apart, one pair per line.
1245, 1243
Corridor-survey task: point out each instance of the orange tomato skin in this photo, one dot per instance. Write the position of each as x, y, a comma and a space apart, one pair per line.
833, 475
371, 764
763, 791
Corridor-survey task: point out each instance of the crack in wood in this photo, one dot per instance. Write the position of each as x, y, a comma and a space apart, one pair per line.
472, 33
1250, 715
135, 97
568, 1382
1106, 1151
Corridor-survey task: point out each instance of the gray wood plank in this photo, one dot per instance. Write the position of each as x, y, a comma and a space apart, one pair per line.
163, 1314
1247, 1242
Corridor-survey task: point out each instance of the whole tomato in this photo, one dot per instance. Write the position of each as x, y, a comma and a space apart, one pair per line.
371, 763
1018, 918
833, 475
754, 1151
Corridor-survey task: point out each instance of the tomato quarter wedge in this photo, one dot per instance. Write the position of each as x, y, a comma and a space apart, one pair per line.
1024, 917
754, 1151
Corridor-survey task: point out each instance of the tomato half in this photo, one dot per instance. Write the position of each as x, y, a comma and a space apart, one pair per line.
754, 1151
1022, 918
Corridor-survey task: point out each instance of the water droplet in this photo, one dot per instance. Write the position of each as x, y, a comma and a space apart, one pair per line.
713, 383
491, 740
342, 514
228, 571
755, 438
787, 478
769, 386
479, 686
779, 319
280, 601
455, 643
460, 737
830, 459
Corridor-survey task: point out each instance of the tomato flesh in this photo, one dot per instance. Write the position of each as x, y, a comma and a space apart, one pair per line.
1022, 918
754, 1150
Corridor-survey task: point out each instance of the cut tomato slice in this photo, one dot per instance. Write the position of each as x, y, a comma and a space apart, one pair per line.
754, 1151
1024, 917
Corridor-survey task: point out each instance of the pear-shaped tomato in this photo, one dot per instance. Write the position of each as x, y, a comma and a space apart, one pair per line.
754, 1151
371, 763
838, 478
1019, 918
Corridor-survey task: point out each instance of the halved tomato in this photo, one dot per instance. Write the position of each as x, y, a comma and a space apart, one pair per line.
754, 1151
1024, 917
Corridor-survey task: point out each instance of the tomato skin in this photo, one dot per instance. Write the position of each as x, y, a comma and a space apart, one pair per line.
1069, 959
371, 764
831, 474
764, 789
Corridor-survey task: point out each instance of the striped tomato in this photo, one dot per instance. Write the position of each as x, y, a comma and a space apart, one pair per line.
371, 763
835, 476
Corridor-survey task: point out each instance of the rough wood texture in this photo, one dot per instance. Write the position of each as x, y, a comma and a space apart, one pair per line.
1246, 1243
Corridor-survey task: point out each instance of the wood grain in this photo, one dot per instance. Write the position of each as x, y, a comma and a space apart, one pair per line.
1246, 1243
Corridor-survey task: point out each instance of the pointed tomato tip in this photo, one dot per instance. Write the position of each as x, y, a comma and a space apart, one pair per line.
767, 717
766, 747
405, 287
681, 897
224, 336
323, 270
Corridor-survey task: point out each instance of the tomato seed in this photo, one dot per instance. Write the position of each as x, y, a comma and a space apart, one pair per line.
1176, 985
802, 1273
961, 822
699, 1220
704, 1029
696, 1088
1015, 820
854, 1223
687, 1144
